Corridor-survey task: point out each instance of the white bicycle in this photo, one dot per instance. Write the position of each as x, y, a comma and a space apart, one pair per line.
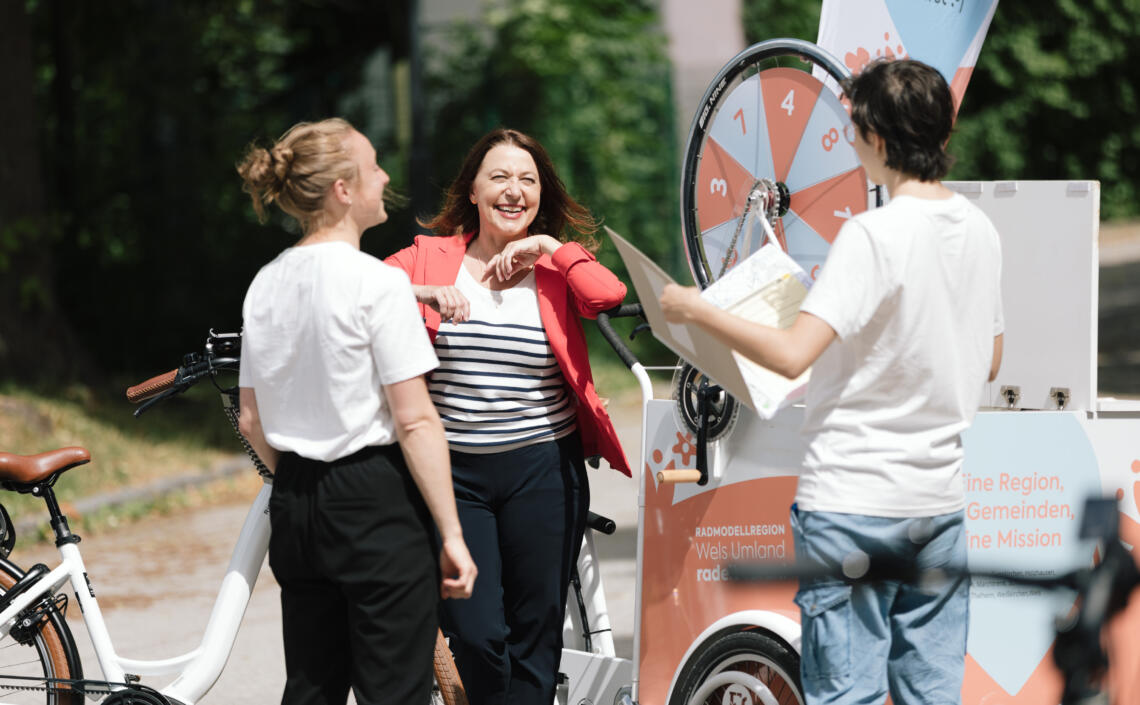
38, 658
39, 662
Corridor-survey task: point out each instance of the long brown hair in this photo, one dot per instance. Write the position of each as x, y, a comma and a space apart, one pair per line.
557, 211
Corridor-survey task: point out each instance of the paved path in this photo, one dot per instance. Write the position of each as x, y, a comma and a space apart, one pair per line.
156, 581
1119, 243
1118, 343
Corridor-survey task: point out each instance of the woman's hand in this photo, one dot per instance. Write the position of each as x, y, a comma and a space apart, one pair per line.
457, 569
448, 300
681, 304
520, 255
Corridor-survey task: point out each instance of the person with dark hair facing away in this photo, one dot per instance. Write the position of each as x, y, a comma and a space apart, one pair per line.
333, 399
902, 329
501, 294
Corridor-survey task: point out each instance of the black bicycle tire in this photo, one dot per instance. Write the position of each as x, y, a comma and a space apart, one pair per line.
700, 126
735, 642
54, 643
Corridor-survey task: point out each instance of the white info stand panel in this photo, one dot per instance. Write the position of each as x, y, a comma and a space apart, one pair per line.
1050, 275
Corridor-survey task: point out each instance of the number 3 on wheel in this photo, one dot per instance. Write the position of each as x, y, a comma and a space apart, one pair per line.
774, 113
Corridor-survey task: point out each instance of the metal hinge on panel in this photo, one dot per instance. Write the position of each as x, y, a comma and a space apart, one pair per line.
1011, 394
967, 188
1060, 396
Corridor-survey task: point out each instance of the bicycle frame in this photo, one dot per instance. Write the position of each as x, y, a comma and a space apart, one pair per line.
599, 675
198, 669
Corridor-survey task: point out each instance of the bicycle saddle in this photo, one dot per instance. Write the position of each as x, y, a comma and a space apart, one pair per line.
30, 469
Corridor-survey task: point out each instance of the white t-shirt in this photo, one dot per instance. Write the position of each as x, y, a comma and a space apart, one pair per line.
913, 289
325, 326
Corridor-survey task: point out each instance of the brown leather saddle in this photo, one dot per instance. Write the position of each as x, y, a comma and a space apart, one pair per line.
35, 469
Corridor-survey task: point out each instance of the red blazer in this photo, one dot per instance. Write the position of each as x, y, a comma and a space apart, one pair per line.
571, 283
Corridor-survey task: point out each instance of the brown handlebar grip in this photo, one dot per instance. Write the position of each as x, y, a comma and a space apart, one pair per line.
154, 385
675, 476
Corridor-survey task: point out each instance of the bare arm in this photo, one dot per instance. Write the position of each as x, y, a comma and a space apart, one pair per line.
448, 300
595, 288
995, 363
249, 423
788, 351
424, 445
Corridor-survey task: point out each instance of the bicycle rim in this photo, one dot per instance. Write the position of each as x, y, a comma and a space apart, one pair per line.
772, 117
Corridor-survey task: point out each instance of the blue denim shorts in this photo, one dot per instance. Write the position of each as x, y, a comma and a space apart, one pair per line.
862, 640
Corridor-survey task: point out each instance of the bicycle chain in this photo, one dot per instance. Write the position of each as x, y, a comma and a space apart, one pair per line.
140, 693
230, 406
753, 197
771, 199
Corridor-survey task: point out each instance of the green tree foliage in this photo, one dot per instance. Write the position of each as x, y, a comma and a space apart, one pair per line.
770, 19
588, 79
1054, 95
144, 109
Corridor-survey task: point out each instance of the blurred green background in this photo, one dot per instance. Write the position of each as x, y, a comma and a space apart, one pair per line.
124, 234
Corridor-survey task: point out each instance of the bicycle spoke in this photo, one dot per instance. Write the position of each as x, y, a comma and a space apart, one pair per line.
773, 114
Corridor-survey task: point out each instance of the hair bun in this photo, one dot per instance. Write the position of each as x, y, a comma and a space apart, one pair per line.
281, 159
261, 177
297, 170
256, 167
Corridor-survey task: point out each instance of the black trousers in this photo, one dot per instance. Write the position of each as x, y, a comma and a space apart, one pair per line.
351, 547
523, 513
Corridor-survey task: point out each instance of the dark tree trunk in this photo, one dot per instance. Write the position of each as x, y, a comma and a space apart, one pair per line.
35, 340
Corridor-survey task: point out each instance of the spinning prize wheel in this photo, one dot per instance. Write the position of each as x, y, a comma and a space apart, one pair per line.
770, 137
771, 141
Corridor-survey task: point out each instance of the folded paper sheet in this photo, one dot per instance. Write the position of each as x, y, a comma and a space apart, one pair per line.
766, 288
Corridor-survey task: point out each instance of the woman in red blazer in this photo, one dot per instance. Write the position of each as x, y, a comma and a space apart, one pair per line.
502, 296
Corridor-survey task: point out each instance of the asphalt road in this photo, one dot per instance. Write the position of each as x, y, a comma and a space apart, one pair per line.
156, 581
1119, 329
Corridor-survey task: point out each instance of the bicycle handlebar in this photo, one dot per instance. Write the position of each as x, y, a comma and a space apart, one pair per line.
601, 524
611, 336
145, 390
861, 568
1078, 652
222, 351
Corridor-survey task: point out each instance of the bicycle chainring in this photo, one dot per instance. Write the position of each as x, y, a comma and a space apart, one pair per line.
723, 407
136, 695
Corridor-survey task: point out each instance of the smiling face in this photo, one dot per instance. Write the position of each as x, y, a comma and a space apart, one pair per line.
367, 189
506, 192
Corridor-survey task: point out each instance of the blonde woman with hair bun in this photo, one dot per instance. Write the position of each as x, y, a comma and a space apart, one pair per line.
333, 399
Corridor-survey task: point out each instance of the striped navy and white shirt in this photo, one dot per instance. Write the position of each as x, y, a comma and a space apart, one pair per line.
498, 385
